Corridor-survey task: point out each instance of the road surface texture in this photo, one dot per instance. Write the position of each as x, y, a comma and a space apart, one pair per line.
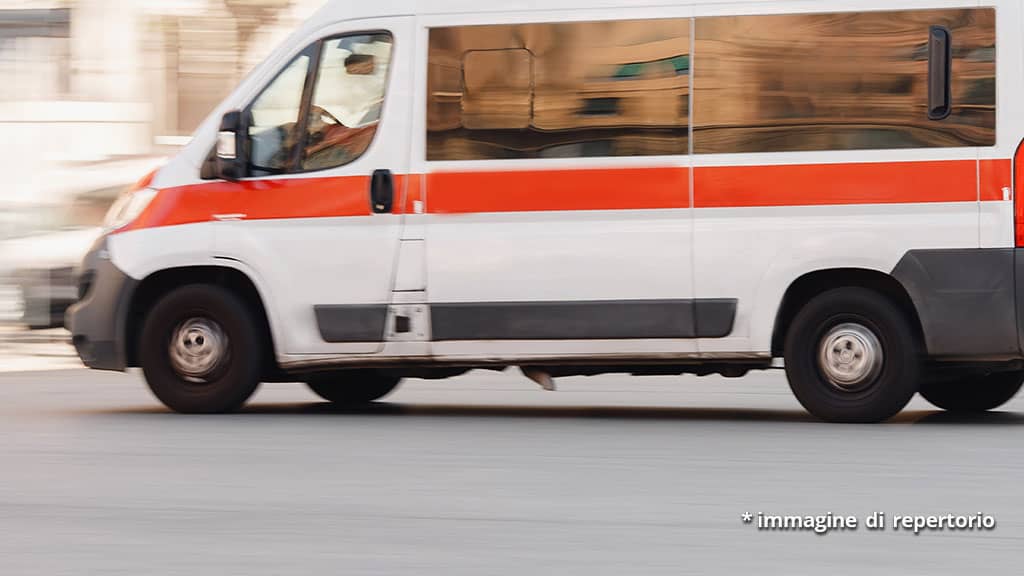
486, 474
23, 350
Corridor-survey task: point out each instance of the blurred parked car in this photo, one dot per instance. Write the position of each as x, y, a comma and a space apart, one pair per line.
40, 263
41, 244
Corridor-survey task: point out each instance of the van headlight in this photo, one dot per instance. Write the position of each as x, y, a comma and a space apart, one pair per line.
127, 208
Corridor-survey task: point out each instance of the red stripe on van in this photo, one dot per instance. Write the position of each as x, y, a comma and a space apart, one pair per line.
260, 200
836, 184
558, 190
413, 193
993, 177
589, 189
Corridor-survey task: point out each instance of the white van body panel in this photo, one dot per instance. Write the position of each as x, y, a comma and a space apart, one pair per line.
755, 254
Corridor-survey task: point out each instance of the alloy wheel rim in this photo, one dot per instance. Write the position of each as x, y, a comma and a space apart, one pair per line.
198, 349
850, 357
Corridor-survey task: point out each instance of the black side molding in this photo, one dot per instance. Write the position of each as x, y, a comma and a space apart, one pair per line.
588, 320
343, 324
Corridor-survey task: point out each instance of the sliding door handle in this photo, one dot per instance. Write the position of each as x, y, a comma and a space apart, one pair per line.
940, 83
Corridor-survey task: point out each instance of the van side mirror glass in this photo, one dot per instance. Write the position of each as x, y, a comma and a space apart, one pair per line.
232, 163
227, 147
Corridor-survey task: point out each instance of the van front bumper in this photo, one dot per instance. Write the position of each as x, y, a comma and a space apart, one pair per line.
98, 321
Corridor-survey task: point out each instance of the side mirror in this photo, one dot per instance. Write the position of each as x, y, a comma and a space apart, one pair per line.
232, 161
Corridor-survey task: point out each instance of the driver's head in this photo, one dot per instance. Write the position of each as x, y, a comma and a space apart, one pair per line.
360, 64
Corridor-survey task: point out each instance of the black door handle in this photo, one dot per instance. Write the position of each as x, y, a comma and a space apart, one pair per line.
940, 87
382, 192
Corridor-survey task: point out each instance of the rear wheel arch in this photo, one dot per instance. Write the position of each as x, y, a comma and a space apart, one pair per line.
813, 284
157, 285
852, 356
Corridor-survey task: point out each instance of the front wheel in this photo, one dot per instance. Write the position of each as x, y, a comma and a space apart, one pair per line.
201, 351
352, 388
975, 394
852, 356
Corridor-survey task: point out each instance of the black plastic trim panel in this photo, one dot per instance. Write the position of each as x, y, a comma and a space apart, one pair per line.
99, 321
967, 300
585, 320
346, 324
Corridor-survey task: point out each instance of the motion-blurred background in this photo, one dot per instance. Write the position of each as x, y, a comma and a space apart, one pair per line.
93, 95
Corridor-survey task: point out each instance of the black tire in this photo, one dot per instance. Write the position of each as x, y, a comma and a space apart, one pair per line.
886, 389
352, 388
233, 381
974, 394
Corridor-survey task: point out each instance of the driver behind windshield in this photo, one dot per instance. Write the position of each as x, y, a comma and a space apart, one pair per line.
343, 115
329, 141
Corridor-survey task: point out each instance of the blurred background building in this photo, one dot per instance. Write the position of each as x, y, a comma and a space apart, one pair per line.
87, 81
93, 95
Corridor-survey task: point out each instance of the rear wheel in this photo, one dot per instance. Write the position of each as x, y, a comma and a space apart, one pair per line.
976, 394
200, 350
352, 388
852, 356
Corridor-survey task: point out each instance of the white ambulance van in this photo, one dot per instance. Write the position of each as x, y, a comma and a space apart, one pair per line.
415, 189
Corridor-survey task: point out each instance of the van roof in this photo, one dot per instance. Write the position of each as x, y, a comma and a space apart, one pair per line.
337, 10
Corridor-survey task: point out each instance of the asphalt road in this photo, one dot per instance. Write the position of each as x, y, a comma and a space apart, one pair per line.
487, 474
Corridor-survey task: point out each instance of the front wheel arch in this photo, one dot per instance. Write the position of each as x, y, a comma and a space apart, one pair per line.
159, 284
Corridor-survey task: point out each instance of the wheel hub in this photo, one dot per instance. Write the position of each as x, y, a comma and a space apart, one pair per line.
850, 357
199, 347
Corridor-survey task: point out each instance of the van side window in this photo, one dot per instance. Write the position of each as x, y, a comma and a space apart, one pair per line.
845, 81
559, 90
274, 115
498, 91
347, 101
